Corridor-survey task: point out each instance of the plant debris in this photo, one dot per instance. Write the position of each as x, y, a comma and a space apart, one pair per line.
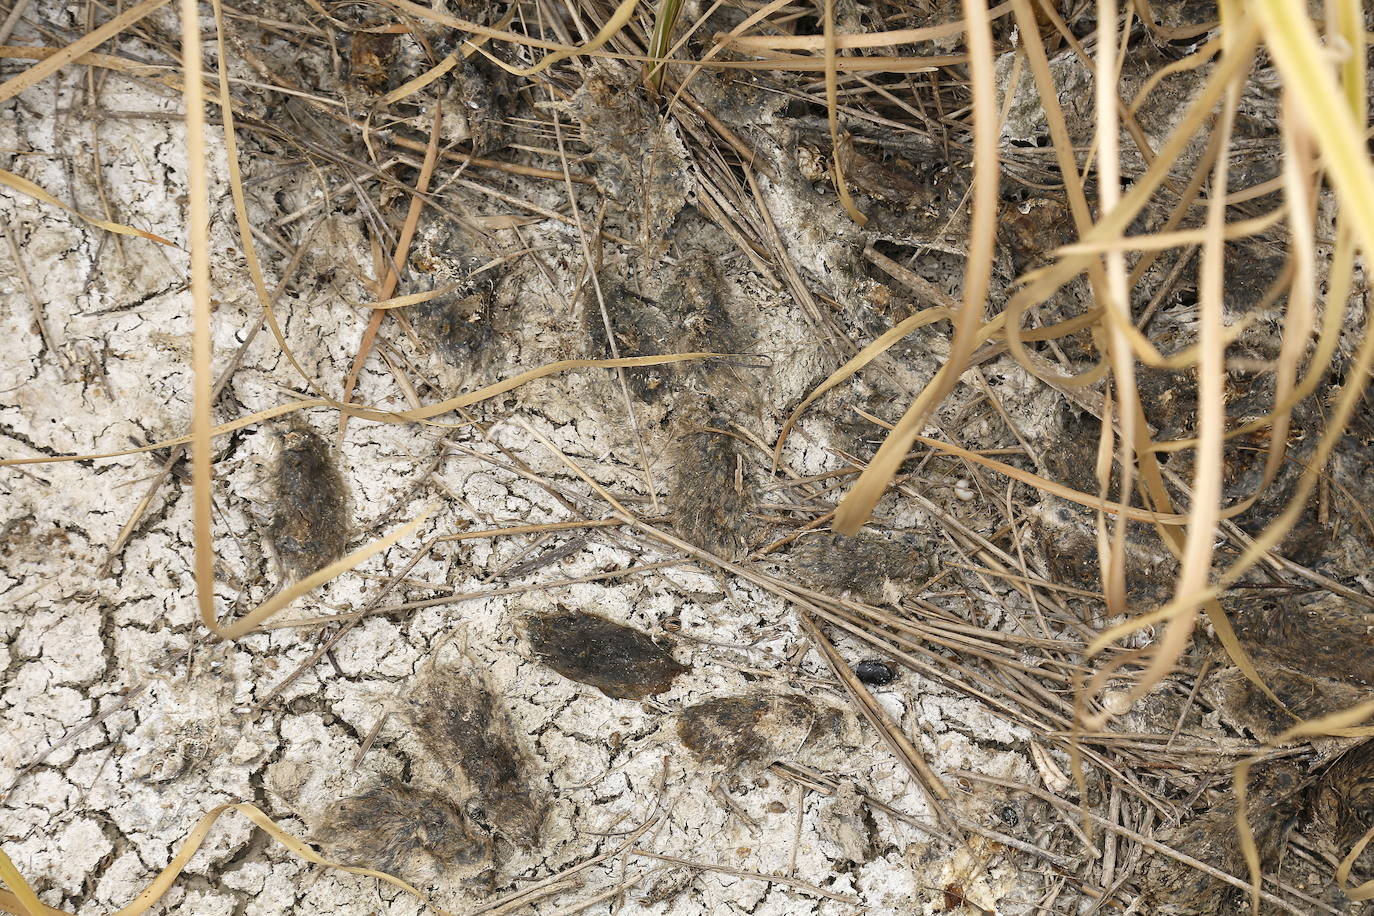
977, 309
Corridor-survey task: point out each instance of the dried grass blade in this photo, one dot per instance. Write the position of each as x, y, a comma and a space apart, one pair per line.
26, 187
865, 356
198, 239
397, 302
249, 622
515, 381
1115, 296
374, 321
26, 902
113, 62
856, 507
93, 39
1298, 317
1162, 240
153, 893
413, 86
614, 24
386, 416
832, 116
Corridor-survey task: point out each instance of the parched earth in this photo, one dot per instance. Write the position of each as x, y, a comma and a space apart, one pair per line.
595, 705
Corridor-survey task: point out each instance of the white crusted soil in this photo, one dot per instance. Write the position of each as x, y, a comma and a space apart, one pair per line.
123, 725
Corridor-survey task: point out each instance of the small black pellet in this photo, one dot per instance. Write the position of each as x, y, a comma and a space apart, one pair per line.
1009, 816
874, 673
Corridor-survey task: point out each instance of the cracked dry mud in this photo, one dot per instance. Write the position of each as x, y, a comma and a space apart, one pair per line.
448, 739
123, 725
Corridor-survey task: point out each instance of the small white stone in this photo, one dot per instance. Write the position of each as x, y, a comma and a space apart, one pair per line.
1116, 702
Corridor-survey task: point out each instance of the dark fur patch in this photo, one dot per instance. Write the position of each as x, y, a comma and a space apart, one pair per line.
1316, 656
620, 661
459, 323
310, 530
402, 831
467, 728
1273, 803
1068, 538
712, 505
641, 329
640, 159
755, 731
1342, 805
669, 884
862, 564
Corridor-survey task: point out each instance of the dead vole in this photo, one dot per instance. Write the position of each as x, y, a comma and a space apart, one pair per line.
1273, 802
712, 506
1314, 655
747, 733
310, 529
485, 95
845, 820
641, 329
1068, 538
620, 661
694, 299
668, 885
460, 322
403, 831
870, 566
1341, 806
467, 728
640, 160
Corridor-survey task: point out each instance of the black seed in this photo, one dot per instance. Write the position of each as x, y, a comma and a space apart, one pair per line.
1009, 816
874, 673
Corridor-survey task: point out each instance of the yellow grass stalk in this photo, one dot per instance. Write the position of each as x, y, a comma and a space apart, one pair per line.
91, 40
858, 504
24, 186
389, 416
198, 237
28, 904
278, 602
1116, 310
